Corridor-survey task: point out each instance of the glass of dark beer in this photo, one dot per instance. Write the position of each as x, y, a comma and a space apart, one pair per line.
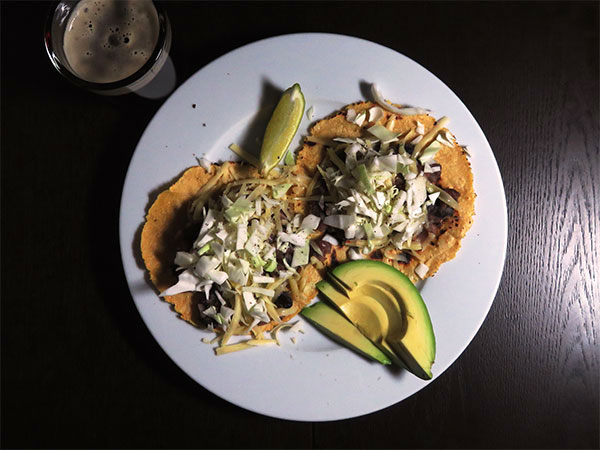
110, 47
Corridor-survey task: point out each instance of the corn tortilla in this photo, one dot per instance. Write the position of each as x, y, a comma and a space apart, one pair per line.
168, 229
456, 174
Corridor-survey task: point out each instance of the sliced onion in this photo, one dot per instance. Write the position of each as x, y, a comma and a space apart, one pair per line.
310, 222
402, 111
354, 255
204, 163
205, 264
185, 259
417, 139
262, 279
421, 270
360, 118
218, 276
330, 239
187, 282
316, 248
400, 257
375, 114
258, 290
341, 221
350, 115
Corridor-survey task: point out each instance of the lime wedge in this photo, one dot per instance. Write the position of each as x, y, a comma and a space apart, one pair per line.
282, 128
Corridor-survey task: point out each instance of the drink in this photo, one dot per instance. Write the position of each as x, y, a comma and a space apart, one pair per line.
107, 41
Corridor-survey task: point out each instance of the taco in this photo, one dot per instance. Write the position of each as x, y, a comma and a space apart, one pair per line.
229, 250
395, 188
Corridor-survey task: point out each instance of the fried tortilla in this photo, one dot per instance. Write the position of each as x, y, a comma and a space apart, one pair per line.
455, 174
169, 229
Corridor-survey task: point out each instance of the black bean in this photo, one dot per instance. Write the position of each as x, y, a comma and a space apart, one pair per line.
422, 236
377, 254
289, 254
212, 299
433, 226
279, 255
324, 246
314, 209
454, 194
284, 300
433, 177
341, 155
439, 211
337, 233
204, 303
400, 182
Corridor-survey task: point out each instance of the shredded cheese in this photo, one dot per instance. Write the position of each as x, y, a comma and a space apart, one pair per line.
259, 342
294, 288
237, 312
232, 348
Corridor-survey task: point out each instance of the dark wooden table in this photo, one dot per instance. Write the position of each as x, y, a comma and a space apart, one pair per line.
80, 369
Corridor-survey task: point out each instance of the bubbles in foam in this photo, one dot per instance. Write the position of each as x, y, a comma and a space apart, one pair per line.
99, 47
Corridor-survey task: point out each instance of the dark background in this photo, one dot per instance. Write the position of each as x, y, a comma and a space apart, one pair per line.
80, 369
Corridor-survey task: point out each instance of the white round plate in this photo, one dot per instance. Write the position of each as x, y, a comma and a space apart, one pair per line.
314, 379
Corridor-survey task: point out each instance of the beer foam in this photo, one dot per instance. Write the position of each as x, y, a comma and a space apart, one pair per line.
108, 40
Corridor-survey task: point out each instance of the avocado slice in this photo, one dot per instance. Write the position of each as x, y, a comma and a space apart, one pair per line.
336, 326
374, 323
387, 308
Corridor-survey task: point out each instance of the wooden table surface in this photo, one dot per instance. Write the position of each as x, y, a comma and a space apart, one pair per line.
79, 367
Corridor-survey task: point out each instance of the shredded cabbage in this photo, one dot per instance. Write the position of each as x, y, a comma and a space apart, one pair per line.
402, 111
366, 203
243, 229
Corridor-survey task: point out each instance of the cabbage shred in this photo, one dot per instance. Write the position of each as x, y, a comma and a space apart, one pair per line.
243, 230
380, 191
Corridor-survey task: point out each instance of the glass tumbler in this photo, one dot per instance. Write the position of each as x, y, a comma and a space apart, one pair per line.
98, 45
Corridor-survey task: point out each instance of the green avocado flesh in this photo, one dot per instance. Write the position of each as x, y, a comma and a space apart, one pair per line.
387, 308
338, 328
